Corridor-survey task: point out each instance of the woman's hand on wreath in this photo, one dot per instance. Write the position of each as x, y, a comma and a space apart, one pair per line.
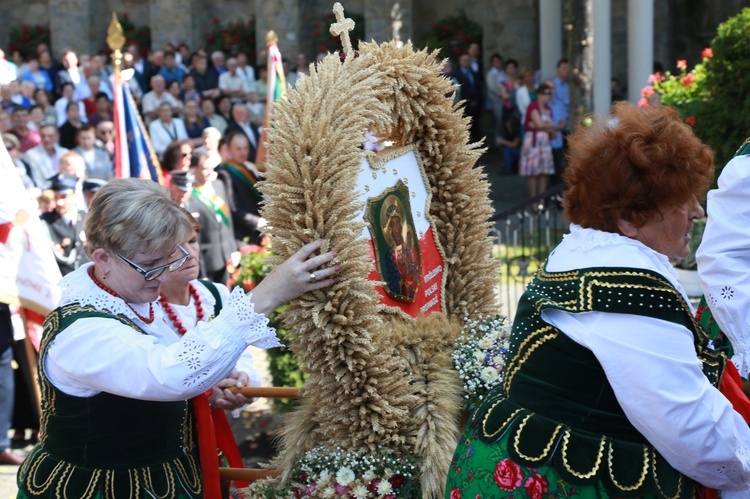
302, 272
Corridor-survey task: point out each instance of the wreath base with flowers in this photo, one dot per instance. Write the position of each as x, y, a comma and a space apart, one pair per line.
381, 384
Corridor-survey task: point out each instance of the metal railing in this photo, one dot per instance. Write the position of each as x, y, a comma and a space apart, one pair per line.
525, 235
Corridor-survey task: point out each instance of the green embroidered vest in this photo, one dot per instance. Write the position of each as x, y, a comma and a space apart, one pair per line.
106, 445
556, 402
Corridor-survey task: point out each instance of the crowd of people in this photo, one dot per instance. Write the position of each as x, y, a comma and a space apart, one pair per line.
529, 116
586, 384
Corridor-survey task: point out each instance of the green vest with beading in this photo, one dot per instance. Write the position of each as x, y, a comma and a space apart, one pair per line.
106, 445
556, 402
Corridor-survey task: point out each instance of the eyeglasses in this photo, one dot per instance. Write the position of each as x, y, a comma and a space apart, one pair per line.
152, 274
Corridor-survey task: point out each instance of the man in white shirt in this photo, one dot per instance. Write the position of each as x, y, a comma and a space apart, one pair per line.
166, 129
156, 97
61, 104
233, 83
244, 69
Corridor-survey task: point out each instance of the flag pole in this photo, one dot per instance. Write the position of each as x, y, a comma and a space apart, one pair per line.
116, 41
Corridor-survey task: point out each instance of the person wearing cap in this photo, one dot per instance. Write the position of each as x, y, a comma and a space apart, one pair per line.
180, 185
90, 187
65, 224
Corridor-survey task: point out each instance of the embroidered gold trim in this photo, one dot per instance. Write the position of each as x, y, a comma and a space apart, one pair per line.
597, 463
658, 485
644, 473
545, 452
518, 362
502, 426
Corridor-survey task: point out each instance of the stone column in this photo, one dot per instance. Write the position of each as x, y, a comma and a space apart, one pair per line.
602, 56
378, 22
640, 46
171, 21
283, 17
550, 36
70, 26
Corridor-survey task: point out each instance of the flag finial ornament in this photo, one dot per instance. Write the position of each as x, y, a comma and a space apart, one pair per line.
342, 27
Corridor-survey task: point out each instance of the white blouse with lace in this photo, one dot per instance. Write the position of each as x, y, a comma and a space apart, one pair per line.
103, 355
188, 315
653, 368
724, 258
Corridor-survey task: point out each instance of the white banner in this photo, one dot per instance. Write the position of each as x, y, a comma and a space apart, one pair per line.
28, 271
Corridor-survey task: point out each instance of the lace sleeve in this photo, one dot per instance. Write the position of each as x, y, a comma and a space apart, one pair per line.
238, 316
154, 366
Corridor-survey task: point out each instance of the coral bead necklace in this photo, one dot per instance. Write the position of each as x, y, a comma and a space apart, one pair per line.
146, 320
176, 322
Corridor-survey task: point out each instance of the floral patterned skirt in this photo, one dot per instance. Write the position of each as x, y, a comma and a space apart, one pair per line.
536, 157
483, 471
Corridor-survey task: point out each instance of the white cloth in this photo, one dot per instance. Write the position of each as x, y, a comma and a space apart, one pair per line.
724, 258
61, 109
523, 99
238, 81
188, 315
654, 370
162, 134
96, 355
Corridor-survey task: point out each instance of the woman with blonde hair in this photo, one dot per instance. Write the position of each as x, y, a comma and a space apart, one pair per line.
116, 377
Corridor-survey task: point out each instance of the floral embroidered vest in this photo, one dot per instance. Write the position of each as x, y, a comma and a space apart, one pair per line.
105, 445
556, 402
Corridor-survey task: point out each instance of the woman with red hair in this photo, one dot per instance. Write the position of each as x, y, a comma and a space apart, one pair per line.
611, 389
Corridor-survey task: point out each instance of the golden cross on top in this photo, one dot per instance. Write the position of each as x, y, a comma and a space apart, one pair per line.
341, 28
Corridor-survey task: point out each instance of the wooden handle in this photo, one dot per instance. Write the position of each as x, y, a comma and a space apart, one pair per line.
267, 392
247, 475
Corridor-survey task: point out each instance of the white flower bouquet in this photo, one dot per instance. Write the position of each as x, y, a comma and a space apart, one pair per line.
323, 472
479, 356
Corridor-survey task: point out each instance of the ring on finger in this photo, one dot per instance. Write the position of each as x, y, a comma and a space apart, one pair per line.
312, 277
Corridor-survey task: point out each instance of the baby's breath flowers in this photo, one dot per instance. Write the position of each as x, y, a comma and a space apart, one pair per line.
479, 356
323, 472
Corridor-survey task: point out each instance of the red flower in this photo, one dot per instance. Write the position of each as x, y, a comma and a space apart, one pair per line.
455, 493
251, 248
508, 475
707, 53
643, 102
536, 486
647, 91
682, 64
691, 121
342, 490
656, 77
214, 20
699, 311
248, 285
688, 79
316, 25
398, 481
316, 33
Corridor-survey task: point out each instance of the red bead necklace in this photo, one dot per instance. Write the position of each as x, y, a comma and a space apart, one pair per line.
146, 320
176, 322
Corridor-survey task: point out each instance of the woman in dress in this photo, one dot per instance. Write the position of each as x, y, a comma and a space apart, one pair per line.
185, 301
114, 376
536, 153
610, 387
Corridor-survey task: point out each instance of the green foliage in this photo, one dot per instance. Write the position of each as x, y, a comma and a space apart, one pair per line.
283, 364
26, 37
453, 35
233, 38
135, 34
325, 42
709, 100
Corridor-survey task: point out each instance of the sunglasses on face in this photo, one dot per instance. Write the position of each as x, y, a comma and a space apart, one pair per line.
152, 274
